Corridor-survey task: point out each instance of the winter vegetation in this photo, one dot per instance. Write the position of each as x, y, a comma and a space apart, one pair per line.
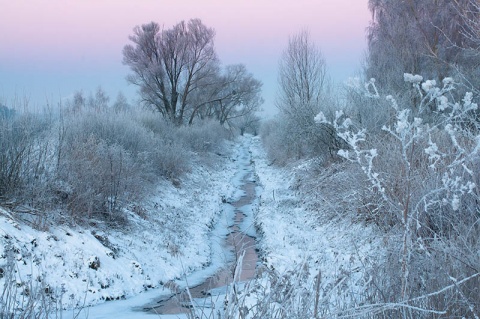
83, 188
367, 201
398, 154
179, 75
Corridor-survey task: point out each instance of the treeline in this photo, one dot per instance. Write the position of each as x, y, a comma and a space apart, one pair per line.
409, 129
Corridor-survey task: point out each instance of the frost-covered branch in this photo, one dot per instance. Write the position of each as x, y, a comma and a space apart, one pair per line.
424, 163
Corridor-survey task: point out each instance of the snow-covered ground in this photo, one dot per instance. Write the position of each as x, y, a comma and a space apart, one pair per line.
165, 238
178, 235
301, 233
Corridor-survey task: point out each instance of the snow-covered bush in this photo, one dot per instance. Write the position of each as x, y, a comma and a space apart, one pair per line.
297, 136
24, 152
423, 170
203, 136
274, 139
101, 178
170, 160
102, 164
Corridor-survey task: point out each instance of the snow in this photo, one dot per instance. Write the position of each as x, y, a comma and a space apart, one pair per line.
179, 238
414, 79
294, 234
320, 118
429, 85
175, 234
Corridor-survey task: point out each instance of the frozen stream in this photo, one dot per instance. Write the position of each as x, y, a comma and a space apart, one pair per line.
232, 237
236, 234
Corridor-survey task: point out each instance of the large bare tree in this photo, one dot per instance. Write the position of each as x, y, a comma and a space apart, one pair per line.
179, 74
169, 65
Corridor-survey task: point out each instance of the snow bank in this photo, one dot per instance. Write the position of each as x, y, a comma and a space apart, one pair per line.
165, 238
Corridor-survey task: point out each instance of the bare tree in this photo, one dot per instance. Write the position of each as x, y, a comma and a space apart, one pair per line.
169, 65
234, 94
78, 102
302, 74
99, 101
302, 94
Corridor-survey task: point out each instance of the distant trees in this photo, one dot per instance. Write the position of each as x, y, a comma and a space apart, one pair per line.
6, 112
96, 102
121, 103
179, 74
431, 38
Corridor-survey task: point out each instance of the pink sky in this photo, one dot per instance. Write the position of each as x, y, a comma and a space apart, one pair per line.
54, 47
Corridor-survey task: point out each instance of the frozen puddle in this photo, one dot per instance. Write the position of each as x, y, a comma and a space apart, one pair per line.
239, 244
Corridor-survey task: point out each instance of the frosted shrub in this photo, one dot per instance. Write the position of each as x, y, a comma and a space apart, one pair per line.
100, 178
108, 160
424, 168
290, 137
122, 129
203, 136
274, 140
169, 159
24, 151
104, 162
156, 124
365, 111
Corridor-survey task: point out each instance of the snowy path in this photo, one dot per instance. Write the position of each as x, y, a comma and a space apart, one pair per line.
232, 238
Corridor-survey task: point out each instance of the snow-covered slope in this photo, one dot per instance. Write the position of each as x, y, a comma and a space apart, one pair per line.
164, 238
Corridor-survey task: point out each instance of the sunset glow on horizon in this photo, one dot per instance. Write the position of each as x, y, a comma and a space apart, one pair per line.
55, 47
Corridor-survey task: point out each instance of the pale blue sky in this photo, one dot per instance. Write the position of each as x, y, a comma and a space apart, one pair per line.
52, 48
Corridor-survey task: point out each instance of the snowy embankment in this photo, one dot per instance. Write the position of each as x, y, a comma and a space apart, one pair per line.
163, 239
301, 233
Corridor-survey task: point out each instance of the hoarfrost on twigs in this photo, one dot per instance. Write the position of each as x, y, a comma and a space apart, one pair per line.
320, 118
414, 79
429, 85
